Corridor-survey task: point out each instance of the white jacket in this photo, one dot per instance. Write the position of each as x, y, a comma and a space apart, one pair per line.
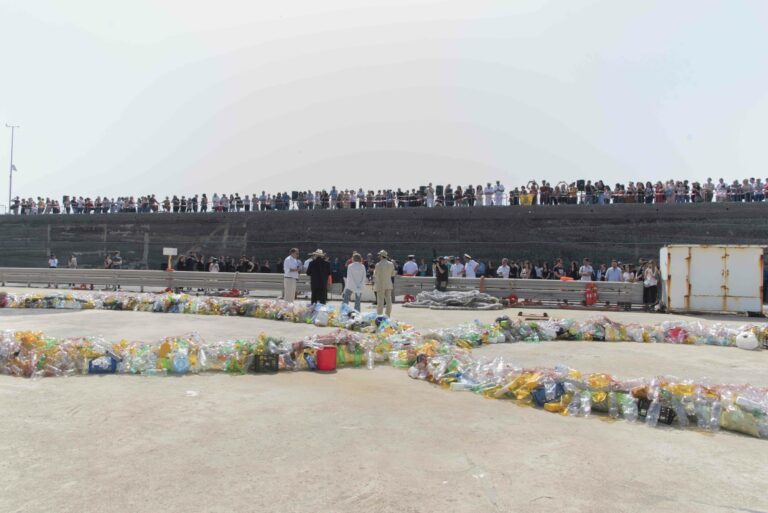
355, 277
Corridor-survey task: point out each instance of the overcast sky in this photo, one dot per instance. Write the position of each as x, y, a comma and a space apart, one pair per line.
185, 96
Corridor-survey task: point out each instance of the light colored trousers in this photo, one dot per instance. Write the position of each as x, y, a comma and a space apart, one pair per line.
289, 288
381, 298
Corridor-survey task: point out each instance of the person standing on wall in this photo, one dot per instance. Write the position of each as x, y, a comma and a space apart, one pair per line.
318, 271
382, 283
499, 194
291, 268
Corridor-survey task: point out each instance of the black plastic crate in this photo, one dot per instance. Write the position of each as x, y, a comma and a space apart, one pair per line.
266, 363
666, 414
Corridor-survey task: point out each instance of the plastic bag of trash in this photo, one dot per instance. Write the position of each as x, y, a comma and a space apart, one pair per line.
747, 340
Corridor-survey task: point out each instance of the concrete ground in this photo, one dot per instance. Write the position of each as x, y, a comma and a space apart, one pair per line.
357, 440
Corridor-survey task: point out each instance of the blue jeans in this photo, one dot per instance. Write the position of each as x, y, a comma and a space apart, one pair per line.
347, 294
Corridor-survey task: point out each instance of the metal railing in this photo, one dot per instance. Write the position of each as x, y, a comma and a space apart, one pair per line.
549, 291
141, 279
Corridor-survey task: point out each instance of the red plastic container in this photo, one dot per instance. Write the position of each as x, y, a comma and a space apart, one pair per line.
326, 358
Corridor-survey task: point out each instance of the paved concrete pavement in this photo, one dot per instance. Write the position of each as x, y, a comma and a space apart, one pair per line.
356, 440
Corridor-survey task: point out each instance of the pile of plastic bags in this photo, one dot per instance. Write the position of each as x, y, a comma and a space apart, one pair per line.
561, 390
602, 329
273, 309
442, 356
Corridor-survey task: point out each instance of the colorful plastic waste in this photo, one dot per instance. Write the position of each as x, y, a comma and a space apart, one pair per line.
442, 356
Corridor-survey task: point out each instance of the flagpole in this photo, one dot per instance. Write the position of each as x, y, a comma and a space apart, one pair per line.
10, 167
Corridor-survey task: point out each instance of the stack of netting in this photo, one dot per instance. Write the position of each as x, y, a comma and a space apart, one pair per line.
455, 300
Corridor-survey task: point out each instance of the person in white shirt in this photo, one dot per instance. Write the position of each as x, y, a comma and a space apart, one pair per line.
411, 268
470, 267
262, 201
721, 191
613, 273
430, 196
72, 264
499, 194
457, 268
291, 267
356, 278
504, 269
488, 193
53, 262
213, 267
627, 276
650, 284
585, 271
360, 197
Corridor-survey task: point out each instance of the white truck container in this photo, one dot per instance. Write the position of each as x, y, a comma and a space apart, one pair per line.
712, 278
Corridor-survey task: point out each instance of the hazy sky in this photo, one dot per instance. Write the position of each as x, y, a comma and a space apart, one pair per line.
183, 96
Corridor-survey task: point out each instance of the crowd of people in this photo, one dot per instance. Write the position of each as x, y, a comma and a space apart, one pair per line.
584, 192
357, 270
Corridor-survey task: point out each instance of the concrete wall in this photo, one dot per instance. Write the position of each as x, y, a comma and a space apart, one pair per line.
572, 232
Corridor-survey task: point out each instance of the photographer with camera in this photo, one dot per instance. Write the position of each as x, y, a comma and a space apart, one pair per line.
440, 272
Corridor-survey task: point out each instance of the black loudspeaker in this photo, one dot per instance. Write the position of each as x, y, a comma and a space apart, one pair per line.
439, 190
294, 195
580, 185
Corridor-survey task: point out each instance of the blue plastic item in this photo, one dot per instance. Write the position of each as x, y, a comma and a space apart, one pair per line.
102, 365
540, 394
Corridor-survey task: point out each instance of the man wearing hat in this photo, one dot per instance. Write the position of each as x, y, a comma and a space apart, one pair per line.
470, 267
410, 268
318, 271
382, 283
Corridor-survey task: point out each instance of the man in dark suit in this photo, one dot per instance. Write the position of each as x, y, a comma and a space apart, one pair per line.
319, 270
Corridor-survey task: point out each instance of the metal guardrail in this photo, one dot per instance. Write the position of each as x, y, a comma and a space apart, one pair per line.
550, 291
141, 279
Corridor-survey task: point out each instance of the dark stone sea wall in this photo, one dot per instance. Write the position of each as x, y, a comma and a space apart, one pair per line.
627, 232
